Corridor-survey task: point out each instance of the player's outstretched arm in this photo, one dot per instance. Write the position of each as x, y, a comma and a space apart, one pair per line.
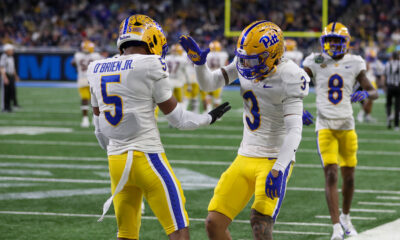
185, 120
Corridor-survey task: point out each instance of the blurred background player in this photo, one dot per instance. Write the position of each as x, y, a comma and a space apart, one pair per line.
291, 51
215, 60
191, 89
125, 90
374, 73
81, 61
335, 72
392, 84
9, 78
176, 63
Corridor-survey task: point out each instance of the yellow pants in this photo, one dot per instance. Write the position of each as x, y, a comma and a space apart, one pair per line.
191, 90
84, 93
216, 94
245, 177
337, 147
151, 176
178, 94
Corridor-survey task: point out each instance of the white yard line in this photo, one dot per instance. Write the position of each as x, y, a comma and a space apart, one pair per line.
54, 193
387, 231
54, 158
352, 218
25, 172
388, 197
171, 146
54, 166
373, 210
14, 185
380, 203
191, 219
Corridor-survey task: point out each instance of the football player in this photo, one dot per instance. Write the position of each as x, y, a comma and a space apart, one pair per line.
192, 89
272, 89
292, 52
335, 71
177, 70
215, 60
125, 91
81, 61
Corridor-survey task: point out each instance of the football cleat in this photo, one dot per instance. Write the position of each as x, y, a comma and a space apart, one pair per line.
259, 49
338, 233
142, 28
85, 122
335, 39
347, 225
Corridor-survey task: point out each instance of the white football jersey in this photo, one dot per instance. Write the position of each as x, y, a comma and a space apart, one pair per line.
216, 60
126, 90
265, 103
177, 70
296, 56
82, 61
334, 82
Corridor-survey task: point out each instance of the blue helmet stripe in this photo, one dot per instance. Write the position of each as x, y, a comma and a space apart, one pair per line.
126, 25
333, 26
247, 32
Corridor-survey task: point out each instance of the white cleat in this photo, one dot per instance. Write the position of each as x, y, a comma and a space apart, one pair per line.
338, 233
85, 122
348, 227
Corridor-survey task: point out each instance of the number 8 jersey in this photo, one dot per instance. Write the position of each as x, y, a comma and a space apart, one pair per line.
126, 89
334, 82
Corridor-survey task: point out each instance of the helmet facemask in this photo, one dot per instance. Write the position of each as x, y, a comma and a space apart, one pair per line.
252, 66
334, 45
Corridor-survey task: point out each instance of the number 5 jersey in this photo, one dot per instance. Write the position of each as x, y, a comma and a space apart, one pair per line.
334, 82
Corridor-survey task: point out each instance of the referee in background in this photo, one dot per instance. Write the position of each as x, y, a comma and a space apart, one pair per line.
392, 73
9, 77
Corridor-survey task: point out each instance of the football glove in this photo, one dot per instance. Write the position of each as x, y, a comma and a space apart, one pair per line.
273, 185
195, 54
307, 118
359, 96
217, 112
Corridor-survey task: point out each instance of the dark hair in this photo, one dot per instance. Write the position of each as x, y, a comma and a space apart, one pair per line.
134, 44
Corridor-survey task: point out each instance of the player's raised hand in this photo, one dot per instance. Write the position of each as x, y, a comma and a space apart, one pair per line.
307, 118
359, 96
273, 185
219, 111
195, 54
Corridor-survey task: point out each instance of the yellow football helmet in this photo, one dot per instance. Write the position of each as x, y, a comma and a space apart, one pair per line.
259, 48
215, 46
290, 45
87, 46
335, 39
177, 49
144, 29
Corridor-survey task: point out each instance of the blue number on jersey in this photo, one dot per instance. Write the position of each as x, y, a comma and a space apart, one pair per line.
255, 111
112, 99
164, 65
335, 93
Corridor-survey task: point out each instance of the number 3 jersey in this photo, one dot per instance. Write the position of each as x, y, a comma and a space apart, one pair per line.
334, 82
265, 104
126, 90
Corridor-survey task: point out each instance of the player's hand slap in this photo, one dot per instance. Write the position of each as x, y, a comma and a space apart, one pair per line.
273, 185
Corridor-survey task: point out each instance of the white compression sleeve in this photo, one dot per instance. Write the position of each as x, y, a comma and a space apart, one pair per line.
209, 80
186, 120
294, 127
101, 138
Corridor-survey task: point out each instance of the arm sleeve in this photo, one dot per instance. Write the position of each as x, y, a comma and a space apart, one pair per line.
162, 90
186, 120
101, 138
212, 80
309, 62
294, 127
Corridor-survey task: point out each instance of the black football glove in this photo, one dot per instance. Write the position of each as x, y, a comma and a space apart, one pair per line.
217, 112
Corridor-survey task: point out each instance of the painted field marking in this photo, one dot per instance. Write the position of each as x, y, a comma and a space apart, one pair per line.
14, 185
387, 231
171, 146
379, 203
373, 210
54, 193
105, 166
388, 197
9, 130
352, 218
190, 219
25, 172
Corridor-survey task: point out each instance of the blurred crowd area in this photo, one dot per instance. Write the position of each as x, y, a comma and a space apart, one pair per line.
64, 24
